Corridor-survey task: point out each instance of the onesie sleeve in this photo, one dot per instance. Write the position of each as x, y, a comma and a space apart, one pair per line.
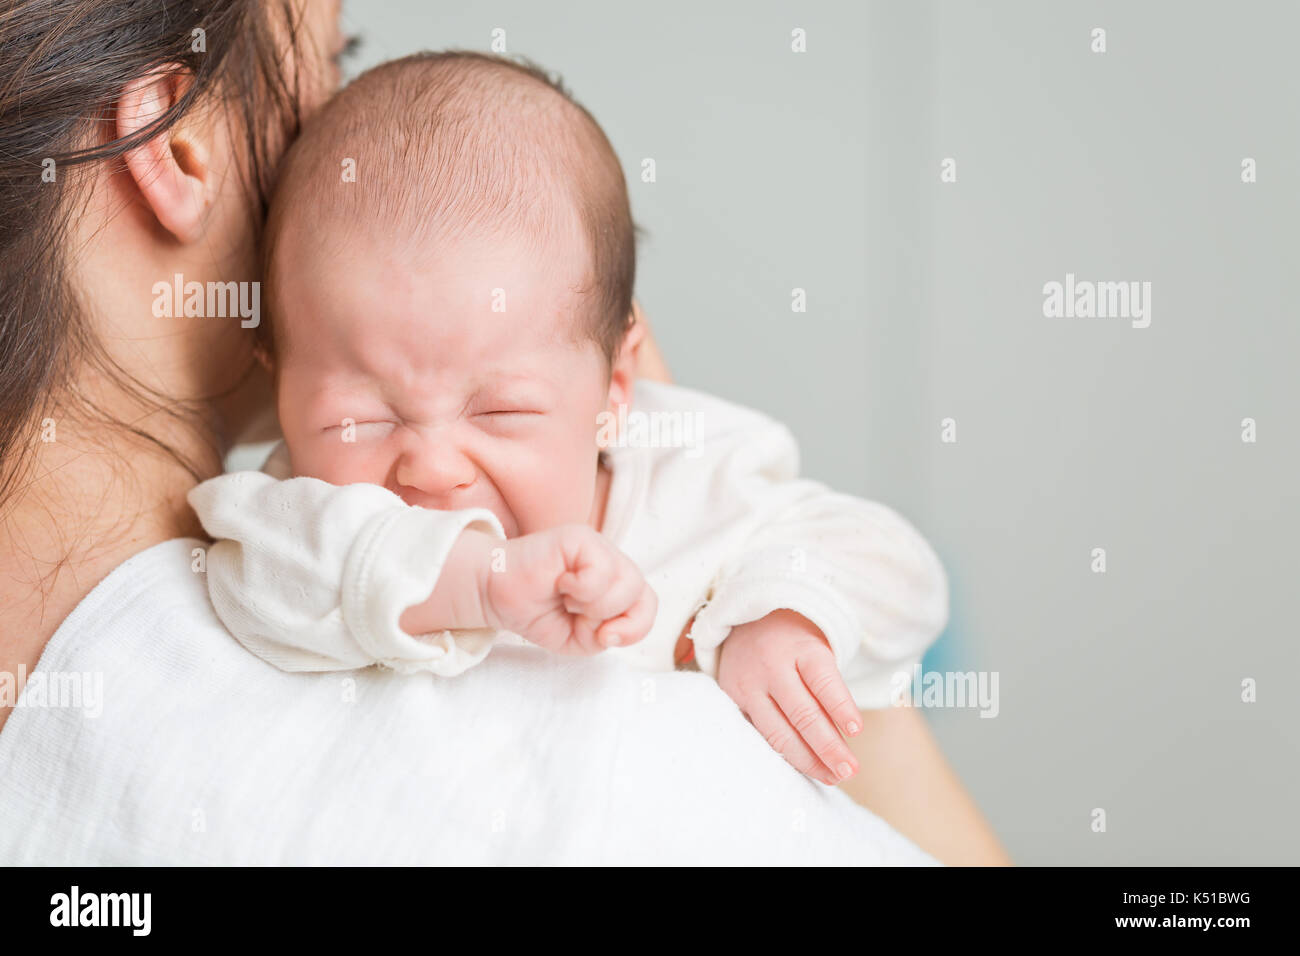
854, 568
311, 576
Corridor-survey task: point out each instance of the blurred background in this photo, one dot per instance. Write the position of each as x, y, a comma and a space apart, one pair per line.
821, 170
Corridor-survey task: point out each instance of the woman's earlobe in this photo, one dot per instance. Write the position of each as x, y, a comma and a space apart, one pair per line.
170, 170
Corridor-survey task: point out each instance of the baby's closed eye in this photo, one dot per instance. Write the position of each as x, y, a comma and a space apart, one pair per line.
507, 419
350, 427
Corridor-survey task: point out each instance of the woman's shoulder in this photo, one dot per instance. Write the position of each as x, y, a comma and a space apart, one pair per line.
161, 589
149, 735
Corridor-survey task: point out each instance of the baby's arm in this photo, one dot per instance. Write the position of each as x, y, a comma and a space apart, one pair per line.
867, 594
311, 576
567, 589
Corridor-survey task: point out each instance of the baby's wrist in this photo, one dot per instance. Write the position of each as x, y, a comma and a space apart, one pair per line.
459, 600
470, 560
782, 619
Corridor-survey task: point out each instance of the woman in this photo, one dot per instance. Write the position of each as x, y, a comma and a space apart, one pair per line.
136, 144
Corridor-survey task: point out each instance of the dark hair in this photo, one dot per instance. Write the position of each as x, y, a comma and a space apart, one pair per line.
458, 140
63, 63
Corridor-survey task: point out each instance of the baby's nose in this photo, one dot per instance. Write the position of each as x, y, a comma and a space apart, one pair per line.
438, 470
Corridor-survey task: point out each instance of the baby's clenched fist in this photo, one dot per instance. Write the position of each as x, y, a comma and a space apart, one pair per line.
569, 590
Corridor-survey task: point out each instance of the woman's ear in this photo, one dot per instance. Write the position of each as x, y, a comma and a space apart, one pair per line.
623, 372
170, 169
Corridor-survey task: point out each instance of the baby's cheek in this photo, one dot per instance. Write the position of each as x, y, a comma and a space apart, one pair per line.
313, 465
335, 461
537, 509
547, 500
580, 493
357, 463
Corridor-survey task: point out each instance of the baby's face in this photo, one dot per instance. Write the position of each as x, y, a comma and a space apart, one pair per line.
455, 405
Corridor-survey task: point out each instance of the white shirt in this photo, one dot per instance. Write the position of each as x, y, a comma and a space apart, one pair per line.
704, 496
195, 752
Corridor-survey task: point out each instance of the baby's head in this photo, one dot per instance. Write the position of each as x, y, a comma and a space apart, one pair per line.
450, 260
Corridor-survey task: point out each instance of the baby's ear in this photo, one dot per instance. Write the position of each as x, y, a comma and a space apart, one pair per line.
622, 374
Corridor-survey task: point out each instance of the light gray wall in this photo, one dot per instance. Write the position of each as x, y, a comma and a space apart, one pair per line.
1118, 691
1121, 690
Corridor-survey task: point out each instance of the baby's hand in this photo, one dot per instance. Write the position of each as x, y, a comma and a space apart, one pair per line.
569, 590
782, 673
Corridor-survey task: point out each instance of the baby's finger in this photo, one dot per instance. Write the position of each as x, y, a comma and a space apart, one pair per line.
822, 676
769, 721
634, 623
813, 725
618, 595
584, 585
565, 633
582, 636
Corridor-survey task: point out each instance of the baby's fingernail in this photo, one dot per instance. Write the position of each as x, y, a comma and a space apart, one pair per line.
845, 771
613, 640
853, 727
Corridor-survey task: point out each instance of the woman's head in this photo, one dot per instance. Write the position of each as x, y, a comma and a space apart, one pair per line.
136, 138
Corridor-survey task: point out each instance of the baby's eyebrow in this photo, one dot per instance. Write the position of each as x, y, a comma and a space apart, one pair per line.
521, 387
355, 392
506, 399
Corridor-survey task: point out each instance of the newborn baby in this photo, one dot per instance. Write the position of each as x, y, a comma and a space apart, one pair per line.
468, 459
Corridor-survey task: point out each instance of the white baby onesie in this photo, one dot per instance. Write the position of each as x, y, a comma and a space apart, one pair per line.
704, 497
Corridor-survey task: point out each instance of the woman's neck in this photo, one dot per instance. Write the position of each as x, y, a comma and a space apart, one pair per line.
99, 488
78, 512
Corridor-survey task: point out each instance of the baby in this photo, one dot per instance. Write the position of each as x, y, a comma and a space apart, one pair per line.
469, 461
